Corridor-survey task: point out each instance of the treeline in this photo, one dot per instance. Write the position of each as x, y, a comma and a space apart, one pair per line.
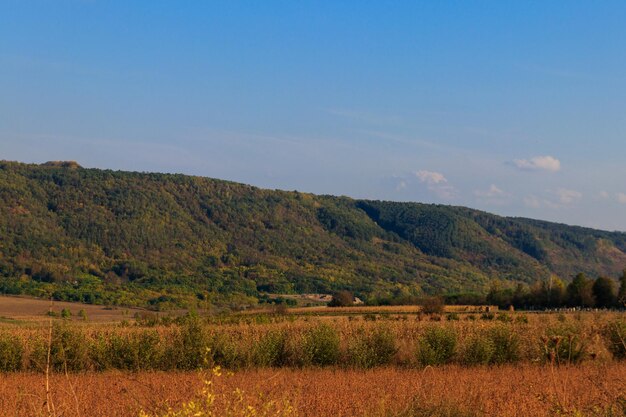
583, 292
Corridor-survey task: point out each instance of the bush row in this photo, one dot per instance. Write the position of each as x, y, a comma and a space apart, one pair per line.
194, 345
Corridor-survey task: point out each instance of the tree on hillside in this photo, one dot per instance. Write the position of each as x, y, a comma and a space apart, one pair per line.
342, 299
604, 292
432, 305
579, 292
621, 295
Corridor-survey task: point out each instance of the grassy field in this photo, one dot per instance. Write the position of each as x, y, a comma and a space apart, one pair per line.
391, 361
585, 390
23, 310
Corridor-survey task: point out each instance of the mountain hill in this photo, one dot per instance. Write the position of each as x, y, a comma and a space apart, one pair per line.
134, 238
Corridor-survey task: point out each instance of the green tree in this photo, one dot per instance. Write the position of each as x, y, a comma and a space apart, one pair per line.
342, 299
621, 295
555, 291
579, 292
604, 292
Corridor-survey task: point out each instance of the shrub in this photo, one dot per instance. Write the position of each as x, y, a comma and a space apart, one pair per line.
506, 345
497, 345
68, 350
437, 346
522, 318
11, 352
503, 317
372, 349
271, 350
478, 350
342, 299
189, 345
432, 305
452, 317
615, 334
320, 346
563, 345
487, 316
223, 351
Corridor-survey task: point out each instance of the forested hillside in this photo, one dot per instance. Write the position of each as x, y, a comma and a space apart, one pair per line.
135, 238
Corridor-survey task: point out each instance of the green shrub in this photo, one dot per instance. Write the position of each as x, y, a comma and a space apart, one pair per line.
506, 345
11, 353
320, 346
188, 347
503, 317
563, 345
375, 348
68, 350
497, 345
437, 346
222, 350
478, 350
615, 334
271, 349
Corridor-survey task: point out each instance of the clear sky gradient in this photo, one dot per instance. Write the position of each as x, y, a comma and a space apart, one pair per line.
514, 107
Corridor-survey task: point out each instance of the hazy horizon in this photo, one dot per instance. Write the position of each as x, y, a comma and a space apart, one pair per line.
516, 109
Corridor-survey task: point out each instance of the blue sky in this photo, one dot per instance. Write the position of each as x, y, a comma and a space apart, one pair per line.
514, 107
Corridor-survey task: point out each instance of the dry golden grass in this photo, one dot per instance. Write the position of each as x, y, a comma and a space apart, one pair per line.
362, 309
33, 310
585, 390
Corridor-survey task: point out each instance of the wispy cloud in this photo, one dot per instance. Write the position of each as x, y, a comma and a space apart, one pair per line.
538, 163
621, 198
431, 177
437, 183
557, 199
566, 196
492, 192
494, 195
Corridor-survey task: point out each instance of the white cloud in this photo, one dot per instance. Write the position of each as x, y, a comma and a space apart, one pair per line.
539, 163
431, 177
437, 183
604, 194
621, 198
401, 185
568, 196
492, 192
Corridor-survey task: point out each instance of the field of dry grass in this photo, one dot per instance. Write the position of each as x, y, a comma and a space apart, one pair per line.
24, 310
587, 390
374, 362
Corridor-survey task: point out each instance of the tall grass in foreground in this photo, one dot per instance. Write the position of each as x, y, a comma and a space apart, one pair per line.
589, 389
316, 342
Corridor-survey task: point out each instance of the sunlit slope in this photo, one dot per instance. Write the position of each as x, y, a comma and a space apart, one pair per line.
65, 225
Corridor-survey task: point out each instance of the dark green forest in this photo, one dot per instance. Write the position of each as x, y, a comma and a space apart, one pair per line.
166, 240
